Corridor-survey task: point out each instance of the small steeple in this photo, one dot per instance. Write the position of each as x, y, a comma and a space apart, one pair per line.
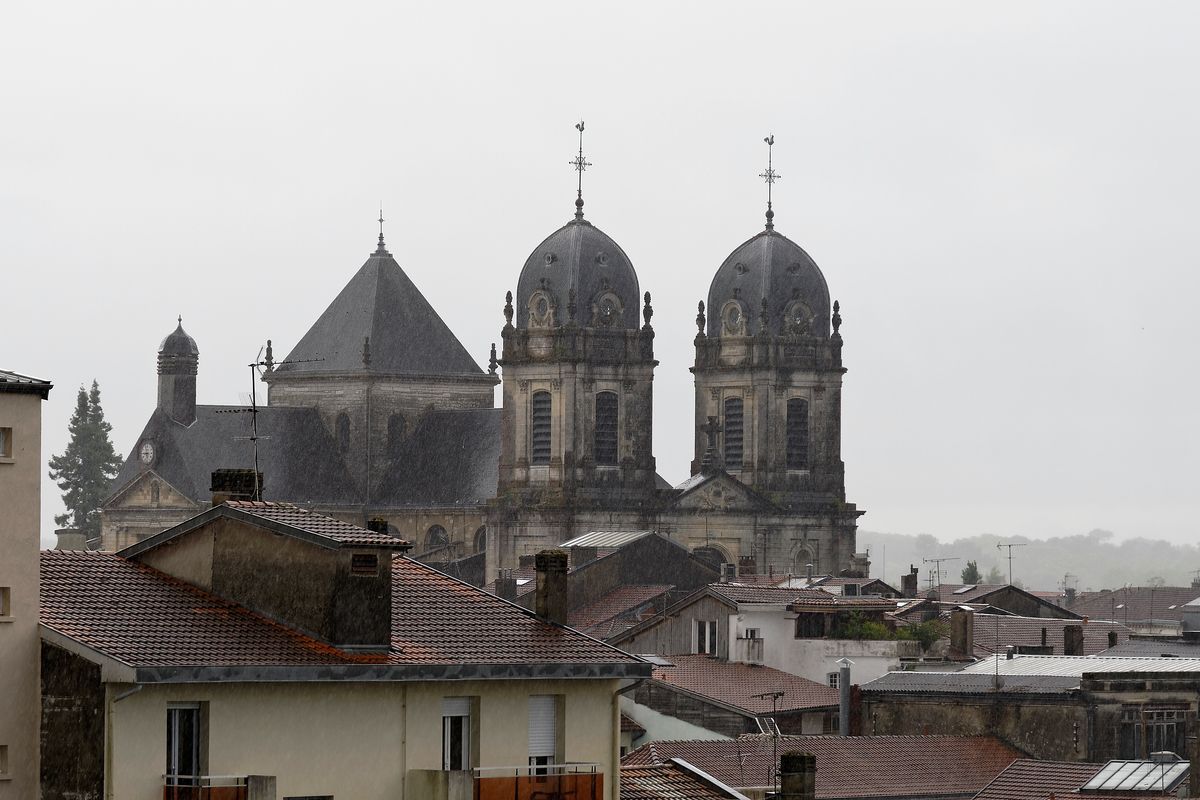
580, 164
381, 250
770, 176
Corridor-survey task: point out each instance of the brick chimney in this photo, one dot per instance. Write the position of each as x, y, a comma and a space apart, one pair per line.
1073, 640
551, 598
506, 586
962, 633
234, 484
908, 583
798, 776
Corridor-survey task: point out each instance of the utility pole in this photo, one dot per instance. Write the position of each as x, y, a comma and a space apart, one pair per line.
936, 572
1010, 546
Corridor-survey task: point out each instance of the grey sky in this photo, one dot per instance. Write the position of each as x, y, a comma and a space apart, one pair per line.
1002, 197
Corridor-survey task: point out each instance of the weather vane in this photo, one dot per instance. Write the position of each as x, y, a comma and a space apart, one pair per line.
770, 176
580, 164
381, 249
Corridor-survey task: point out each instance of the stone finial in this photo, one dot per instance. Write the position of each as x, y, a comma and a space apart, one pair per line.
837, 317
366, 354
700, 318
508, 309
493, 363
269, 361
647, 310
764, 318
572, 306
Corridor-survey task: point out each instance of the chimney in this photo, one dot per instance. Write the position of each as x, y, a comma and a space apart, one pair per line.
908, 583
551, 598
506, 586
844, 665
798, 776
1112, 642
377, 524
1069, 593
962, 633
728, 572
526, 561
235, 484
70, 539
1073, 640
808, 571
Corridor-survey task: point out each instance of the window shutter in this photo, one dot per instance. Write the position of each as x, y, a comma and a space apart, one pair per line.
542, 733
456, 706
540, 437
733, 433
797, 433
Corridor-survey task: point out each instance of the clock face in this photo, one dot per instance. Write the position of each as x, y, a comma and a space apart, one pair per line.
608, 311
146, 453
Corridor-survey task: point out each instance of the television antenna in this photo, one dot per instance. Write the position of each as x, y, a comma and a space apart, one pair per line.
1010, 546
775, 695
257, 368
937, 569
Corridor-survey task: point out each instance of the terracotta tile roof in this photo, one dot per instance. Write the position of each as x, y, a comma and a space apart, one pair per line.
145, 618
629, 724
1136, 603
619, 609
1027, 779
314, 523
743, 593
671, 781
734, 684
814, 602
850, 766
994, 632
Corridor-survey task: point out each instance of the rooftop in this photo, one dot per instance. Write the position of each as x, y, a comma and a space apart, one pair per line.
619, 609
604, 539
674, 779
1027, 779
849, 766
995, 632
1136, 603
734, 685
1077, 666
15, 383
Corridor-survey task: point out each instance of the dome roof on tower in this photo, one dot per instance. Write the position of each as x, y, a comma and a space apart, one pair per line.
768, 267
582, 257
178, 343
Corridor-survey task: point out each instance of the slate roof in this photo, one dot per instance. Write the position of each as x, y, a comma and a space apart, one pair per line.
407, 335
145, 618
849, 766
617, 610
930, 683
672, 780
993, 633
452, 458
15, 383
1136, 603
1027, 779
298, 457
734, 684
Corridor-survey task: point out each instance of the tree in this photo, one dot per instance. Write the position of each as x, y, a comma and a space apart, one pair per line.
970, 573
85, 469
994, 576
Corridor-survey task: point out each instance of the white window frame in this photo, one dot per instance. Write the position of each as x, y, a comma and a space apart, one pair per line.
704, 637
173, 777
833, 679
457, 712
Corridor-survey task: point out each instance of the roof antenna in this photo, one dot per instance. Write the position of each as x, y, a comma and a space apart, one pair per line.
580, 164
770, 176
381, 250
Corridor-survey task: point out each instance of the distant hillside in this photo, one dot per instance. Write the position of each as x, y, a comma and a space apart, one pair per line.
1095, 560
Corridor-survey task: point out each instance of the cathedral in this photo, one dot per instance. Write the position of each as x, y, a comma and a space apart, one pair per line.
380, 416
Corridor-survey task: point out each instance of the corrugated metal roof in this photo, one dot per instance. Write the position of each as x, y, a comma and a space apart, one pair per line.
605, 539
1138, 776
1076, 666
971, 683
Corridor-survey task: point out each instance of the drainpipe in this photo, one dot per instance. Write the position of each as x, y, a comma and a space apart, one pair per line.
844, 666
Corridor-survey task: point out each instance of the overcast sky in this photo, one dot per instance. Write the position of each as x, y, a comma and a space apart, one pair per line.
1003, 197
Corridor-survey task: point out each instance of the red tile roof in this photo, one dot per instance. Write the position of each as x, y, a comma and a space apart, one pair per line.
994, 632
734, 684
1136, 603
314, 523
1027, 779
850, 766
670, 781
630, 725
618, 609
145, 618
742, 593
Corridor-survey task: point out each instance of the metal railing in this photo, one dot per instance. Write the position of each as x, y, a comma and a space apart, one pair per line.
204, 787
541, 782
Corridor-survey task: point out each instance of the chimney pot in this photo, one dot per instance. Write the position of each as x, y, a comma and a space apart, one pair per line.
551, 597
1073, 640
506, 586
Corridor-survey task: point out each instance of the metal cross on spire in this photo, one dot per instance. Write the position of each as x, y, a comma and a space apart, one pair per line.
580, 164
381, 249
770, 176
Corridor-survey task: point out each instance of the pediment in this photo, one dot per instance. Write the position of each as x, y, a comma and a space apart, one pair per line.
720, 492
149, 491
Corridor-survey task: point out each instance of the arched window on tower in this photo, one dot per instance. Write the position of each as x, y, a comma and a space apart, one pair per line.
606, 429
539, 440
732, 426
481, 539
343, 432
797, 433
436, 538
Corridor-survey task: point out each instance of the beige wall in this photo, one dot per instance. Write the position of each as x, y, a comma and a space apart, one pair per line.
20, 531
349, 740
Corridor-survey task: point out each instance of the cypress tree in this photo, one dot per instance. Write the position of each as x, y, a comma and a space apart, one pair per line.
86, 468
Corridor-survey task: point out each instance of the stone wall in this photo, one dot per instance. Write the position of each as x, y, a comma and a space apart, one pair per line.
72, 727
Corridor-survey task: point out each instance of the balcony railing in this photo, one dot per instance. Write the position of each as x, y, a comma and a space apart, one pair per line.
549, 782
204, 787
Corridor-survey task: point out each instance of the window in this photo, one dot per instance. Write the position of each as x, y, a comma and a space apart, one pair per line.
606, 429
810, 626
543, 730
832, 680
752, 633
343, 432
436, 537
1150, 730
733, 433
155, 492
797, 433
539, 451
706, 636
5, 602
6, 450
365, 564
456, 733
481, 539
183, 744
